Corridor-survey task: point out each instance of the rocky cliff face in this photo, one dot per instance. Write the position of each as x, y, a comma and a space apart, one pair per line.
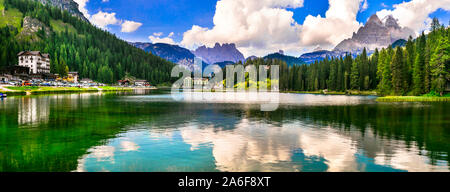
375, 34
69, 5
30, 27
219, 53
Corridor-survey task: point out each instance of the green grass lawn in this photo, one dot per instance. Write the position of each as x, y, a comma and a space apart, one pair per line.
349, 92
11, 16
44, 90
23, 88
59, 26
109, 88
413, 99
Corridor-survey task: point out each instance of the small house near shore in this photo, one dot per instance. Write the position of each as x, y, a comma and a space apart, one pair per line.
14, 73
141, 83
86, 81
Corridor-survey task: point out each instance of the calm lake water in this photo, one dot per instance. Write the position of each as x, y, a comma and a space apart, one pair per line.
150, 131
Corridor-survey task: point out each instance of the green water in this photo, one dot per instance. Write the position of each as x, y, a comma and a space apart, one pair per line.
150, 131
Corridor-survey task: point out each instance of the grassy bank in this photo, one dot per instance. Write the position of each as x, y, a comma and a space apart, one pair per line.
349, 92
55, 90
413, 99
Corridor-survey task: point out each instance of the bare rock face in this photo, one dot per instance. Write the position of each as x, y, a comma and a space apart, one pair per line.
32, 26
375, 34
219, 53
68, 5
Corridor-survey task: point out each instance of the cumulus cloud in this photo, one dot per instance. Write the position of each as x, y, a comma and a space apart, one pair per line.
338, 24
257, 27
364, 6
156, 38
130, 26
415, 14
158, 34
82, 7
103, 19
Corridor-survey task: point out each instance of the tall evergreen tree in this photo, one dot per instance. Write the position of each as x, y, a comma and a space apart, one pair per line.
419, 65
354, 77
398, 72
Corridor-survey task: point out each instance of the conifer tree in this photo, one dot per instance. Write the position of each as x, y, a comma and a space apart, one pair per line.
418, 68
354, 77
398, 75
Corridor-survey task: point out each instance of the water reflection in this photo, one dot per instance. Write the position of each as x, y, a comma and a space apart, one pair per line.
33, 111
116, 132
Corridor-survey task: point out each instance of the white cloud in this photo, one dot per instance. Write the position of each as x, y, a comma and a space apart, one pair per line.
103, 19
156, 38
364, 6
130, 26
159, 34
338, 24
257, 27
415, 14
82, 7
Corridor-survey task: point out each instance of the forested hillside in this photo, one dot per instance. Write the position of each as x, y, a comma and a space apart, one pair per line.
421, 67
74, 45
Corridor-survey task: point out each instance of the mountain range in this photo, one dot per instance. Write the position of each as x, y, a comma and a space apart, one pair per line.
374, 34
172, 53
219, 53
290, 60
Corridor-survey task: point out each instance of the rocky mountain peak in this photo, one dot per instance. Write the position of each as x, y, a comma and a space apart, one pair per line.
391, 22
375, 34
374, 20
219, 53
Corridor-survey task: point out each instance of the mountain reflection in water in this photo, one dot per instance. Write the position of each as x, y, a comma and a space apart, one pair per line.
152, 132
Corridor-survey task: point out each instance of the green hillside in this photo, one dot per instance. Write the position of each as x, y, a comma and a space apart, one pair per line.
74, 45
9, 17
59, 26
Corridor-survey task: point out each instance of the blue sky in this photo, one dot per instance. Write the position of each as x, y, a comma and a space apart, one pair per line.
159, 18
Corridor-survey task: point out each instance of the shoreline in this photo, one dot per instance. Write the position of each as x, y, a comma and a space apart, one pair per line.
412, 99
24, 91
380, 98
349, 93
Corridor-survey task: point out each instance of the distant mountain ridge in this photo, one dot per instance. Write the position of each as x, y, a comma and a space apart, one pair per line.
172, 53
290, 60
219, 53
375, 34
321, 55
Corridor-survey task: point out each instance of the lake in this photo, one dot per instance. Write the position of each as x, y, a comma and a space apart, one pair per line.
150, 131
